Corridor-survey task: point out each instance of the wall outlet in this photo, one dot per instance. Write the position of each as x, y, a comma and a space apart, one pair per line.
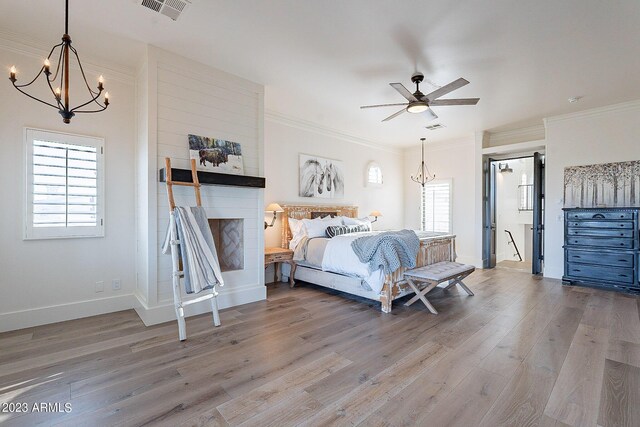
100, 286
116, 284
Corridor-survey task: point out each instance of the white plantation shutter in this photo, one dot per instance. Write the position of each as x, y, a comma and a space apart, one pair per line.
64, 185
374, 174
436, 206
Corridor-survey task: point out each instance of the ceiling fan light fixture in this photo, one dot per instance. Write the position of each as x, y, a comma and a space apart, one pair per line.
417, 107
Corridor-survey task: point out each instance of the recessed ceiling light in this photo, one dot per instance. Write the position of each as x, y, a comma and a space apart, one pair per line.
574, 99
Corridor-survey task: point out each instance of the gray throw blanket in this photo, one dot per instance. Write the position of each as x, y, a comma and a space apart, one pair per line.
197, 250
389, 250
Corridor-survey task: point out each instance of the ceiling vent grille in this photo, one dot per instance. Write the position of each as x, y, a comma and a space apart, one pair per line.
171, 8
435, 126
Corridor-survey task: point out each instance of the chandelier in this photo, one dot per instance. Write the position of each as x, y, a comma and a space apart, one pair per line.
423, 175
60, 79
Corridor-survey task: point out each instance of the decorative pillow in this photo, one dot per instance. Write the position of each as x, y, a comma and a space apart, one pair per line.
317, 227
356, 221
297, 232
337, 230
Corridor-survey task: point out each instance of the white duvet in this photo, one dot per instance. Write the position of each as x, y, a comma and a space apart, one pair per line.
339, 257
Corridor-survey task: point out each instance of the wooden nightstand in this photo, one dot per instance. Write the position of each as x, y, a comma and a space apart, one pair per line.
276, 256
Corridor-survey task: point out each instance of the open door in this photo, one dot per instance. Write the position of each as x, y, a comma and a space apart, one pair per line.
538, 214
489, 235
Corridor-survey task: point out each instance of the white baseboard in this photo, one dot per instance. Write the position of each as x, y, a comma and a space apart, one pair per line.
165, 312
62, 312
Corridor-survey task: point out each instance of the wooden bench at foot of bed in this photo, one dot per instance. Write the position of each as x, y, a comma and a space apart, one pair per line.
434, 274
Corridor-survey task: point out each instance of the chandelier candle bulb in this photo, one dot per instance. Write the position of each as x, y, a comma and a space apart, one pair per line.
58, 92
100, 82
106, 98
12, 73
47, 64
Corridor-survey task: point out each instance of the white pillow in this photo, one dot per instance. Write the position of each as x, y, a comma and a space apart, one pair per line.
317, 227
298, 231
356, 221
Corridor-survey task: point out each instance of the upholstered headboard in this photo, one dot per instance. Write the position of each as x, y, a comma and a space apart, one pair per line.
309, 212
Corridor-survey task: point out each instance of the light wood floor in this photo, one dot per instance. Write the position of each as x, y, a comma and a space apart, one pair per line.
515, 265
521, 352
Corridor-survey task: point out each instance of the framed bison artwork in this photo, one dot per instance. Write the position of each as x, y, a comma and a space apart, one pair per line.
321, 177
216, 155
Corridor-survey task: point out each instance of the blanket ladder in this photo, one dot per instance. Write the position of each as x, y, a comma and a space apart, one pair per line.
179, 303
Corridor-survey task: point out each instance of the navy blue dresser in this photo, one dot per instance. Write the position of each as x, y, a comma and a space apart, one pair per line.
601, 247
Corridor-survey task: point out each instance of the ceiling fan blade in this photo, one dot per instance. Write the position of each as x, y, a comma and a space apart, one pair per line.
383, 105
403, 91
395, 115
430, 114
457, 84
461, 101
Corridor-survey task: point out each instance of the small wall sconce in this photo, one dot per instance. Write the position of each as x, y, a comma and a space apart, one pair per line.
375, 214
504, 168
275, 208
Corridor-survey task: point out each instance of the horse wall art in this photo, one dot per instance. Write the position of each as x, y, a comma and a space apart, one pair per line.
321, 177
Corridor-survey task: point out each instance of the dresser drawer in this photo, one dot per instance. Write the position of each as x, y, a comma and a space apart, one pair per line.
602, 242
611, 274
600, 258
600, 232
602, 224
599, 215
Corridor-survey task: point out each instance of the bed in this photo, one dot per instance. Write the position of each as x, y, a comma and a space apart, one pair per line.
434, 247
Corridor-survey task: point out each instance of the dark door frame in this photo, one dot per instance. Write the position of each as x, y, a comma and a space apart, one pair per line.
489, 209
489, 212
537, 261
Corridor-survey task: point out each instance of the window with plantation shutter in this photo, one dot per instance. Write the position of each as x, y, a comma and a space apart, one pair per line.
436, 206
64, 185
374, 174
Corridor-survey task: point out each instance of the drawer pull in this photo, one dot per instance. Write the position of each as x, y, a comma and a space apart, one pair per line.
599, 216
623, 260
622, 275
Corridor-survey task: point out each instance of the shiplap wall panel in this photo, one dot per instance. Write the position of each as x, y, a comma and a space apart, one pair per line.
195, 99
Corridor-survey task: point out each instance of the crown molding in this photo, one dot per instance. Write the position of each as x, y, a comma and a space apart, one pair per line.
286, 120
37, 49
516, 149
594, 112
530, 133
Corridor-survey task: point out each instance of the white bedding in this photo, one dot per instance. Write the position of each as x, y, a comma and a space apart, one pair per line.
339, 257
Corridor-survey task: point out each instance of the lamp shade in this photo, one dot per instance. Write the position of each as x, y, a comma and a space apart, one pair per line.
274, 207
376, 213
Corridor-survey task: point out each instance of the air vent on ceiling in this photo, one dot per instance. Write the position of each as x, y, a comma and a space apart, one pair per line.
435, 126
171, 8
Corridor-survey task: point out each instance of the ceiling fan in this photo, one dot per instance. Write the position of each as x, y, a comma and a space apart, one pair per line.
419, 102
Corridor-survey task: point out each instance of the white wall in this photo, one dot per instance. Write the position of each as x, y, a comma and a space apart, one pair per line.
285, 141
455, 160
185, 97
509, 217
608, 134
45, 281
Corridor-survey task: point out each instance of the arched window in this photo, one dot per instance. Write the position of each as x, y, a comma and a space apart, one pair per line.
374, 174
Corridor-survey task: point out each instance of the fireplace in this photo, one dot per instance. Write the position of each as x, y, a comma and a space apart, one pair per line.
228, 236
